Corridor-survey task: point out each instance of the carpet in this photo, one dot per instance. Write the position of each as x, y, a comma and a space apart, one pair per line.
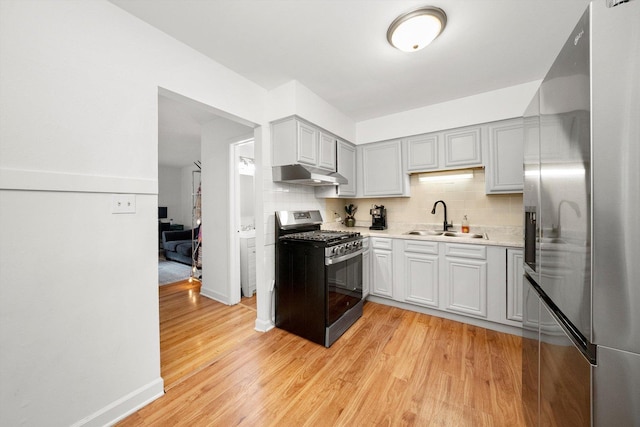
171, 272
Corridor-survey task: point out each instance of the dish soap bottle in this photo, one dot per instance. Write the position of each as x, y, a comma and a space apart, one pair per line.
465, 224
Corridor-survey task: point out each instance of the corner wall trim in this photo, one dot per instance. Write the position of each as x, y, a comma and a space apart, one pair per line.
124, 406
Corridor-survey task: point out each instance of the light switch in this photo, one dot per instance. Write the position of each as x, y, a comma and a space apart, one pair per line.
123, 203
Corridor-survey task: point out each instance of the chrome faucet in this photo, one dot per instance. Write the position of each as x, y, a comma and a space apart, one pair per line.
446, 224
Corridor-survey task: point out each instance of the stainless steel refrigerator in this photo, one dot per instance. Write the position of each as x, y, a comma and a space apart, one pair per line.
581, 327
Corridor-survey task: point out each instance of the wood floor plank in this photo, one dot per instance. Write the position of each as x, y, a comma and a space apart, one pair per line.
393, 367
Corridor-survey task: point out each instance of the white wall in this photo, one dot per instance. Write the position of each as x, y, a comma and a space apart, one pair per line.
294, 98
170, 192
79, 86
217, 137
175, 192
482, 108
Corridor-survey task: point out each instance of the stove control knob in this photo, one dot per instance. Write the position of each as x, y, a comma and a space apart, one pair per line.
341, 249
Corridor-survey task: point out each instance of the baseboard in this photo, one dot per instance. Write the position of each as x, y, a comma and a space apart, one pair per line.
124, 406
216, 296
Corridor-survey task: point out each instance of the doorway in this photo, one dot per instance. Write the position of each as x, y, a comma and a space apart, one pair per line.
244, 217
192, 135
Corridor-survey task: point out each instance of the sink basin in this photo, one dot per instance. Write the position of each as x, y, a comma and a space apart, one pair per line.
447, 234
466, 235
426, 232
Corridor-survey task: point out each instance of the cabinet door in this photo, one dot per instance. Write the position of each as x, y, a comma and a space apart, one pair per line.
467, 285
382, 169
346, 159
382, 273
421, 278
462, 147
515, 277
366, 273
327, 152
504, 173
421, 153
307, 144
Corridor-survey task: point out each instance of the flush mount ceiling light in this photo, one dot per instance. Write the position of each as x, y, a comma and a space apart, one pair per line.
414, 30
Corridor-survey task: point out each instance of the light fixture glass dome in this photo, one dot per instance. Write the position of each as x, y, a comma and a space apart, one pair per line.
414, 30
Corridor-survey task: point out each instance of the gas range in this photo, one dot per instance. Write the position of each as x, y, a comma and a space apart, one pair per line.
318, 286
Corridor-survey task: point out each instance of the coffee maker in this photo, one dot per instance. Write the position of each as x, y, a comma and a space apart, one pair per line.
379, 215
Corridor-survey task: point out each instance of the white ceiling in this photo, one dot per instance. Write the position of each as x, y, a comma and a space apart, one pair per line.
338, 49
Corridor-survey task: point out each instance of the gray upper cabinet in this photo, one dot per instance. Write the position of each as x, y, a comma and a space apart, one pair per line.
462, 147
346, 160
326, 151
346, 166
307, 144
380, 171
504, 170
422, 152
450, 149
296, 141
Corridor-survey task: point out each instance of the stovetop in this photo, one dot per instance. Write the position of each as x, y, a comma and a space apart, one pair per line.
325, 236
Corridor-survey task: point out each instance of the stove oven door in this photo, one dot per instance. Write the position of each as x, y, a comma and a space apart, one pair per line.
344, 285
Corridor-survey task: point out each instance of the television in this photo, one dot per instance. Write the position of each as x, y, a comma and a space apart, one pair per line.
162, 212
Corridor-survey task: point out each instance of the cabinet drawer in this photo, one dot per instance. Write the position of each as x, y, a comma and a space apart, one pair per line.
421, 247
466, 251
381, 242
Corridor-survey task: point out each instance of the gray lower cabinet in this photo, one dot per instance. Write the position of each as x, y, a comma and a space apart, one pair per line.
366, 268
465, 279
483, 282
515, 277
381, 267
421, 273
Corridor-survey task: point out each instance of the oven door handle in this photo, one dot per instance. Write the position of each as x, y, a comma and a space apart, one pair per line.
335, 260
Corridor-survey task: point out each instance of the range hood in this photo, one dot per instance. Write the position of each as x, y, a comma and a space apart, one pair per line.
306, 175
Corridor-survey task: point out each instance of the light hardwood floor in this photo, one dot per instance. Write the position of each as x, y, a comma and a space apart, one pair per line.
393, 367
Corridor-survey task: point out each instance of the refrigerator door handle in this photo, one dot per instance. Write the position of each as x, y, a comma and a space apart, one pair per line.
587, 348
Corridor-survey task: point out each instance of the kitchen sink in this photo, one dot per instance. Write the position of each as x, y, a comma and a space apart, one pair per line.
467, 235
447, 234
426, 232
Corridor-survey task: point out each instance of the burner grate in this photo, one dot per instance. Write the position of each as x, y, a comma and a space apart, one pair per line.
321, 235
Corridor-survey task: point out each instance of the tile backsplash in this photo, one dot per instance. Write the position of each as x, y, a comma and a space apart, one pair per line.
462, 198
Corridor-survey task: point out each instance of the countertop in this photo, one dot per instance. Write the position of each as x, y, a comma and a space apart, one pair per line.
497, 236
